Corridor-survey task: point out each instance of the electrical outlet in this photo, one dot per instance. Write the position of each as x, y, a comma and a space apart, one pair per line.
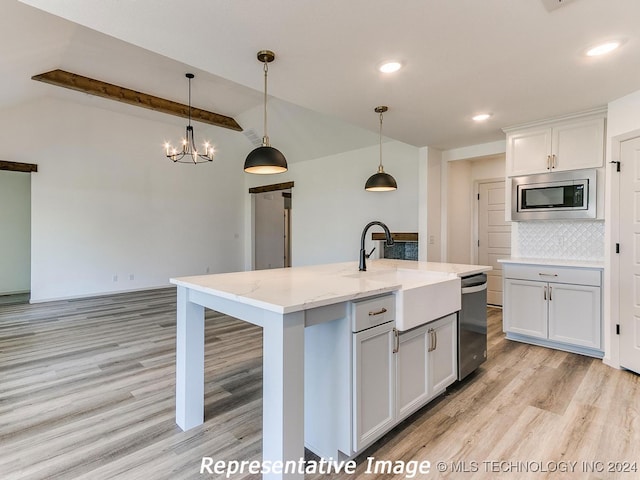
208, 269
131, 276
432, 239
115, 278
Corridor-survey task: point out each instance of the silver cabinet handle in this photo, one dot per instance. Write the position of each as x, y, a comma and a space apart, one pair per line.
379, 312
396, 341
430, 347
550, 289
548, 162
543, 275
553, 161
435, 340
545, 292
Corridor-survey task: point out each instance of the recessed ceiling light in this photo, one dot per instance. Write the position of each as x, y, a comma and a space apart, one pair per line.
390, 67
602, 49
481, 117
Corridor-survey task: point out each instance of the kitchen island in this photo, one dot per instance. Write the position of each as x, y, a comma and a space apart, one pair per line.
283, 302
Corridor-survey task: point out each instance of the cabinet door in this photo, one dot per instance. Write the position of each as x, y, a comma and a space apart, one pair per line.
373, 384
412, 387
574, 314
525, 307
578, 144
528, 151
443, 354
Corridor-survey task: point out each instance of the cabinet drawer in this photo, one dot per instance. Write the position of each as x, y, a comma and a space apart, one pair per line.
546, 273
372, 311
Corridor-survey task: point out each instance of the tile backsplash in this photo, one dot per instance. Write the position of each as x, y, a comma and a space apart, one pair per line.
570, 240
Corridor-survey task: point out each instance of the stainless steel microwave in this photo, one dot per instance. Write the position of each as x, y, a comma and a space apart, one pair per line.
557, 195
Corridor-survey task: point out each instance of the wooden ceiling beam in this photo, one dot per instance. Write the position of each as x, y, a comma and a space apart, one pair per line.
102, 89
18, 167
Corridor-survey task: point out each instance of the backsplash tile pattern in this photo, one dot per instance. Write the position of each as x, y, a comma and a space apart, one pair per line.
401, 250
570, 240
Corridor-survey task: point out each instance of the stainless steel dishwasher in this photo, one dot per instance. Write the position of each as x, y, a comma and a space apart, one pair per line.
472, 324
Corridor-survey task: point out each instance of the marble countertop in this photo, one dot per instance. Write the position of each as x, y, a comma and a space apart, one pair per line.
556, 262
286, 290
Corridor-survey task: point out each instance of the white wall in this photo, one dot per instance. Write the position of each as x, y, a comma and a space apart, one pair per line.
330, 206
106, 202
15, 226
434, 206
461, 177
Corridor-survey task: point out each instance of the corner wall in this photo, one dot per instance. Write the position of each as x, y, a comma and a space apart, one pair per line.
109, 212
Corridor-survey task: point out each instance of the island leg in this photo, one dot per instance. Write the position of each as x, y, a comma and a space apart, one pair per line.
189, 362
283, 391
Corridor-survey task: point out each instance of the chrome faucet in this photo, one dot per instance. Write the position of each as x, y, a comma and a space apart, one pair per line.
363, 254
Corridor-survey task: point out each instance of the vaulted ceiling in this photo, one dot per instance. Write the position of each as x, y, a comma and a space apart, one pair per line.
512, 58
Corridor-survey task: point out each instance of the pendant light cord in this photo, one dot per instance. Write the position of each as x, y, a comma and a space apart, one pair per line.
189, 101
380, 140
265, 138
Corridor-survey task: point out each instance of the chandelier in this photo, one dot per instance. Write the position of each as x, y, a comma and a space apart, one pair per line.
189, 153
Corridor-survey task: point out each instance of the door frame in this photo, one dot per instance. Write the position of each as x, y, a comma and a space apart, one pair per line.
250, 250
611, 297
476, 213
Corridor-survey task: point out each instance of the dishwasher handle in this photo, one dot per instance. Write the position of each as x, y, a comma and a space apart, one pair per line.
474, 289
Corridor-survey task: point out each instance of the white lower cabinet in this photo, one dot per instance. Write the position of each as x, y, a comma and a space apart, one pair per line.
554, 313
374, 380
426, 364
361, 383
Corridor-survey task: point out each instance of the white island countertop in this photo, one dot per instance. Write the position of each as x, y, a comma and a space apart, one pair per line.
286, 290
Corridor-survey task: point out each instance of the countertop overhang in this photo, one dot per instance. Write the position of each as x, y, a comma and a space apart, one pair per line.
287, 290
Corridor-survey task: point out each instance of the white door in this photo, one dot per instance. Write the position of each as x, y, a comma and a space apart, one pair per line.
629, 282
374, 384
525, 309
574, 314
269, 228
443, 354
494, 236
412, 389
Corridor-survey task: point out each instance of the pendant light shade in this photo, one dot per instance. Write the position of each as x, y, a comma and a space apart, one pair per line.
265, 159
380, 181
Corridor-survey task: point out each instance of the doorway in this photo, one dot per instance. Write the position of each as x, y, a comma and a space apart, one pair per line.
15, 234
493, 235
629, 279
271, 221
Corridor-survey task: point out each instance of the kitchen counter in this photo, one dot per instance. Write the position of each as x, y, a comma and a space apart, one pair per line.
283, 302
286, 290
458, 269
555, 262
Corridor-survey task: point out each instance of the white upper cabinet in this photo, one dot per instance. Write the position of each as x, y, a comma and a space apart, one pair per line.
569, 144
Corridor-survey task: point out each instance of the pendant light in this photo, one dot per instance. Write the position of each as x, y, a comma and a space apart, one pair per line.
265, 159
189, 152
380, 181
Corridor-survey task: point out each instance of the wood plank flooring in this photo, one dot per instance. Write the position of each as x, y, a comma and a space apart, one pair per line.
87, 392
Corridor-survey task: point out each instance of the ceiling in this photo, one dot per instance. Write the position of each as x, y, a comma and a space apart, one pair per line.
513, 58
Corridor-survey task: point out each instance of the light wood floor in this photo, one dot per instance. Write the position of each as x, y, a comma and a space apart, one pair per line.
87, 392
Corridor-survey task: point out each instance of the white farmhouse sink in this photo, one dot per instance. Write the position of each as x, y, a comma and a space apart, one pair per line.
423, 296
